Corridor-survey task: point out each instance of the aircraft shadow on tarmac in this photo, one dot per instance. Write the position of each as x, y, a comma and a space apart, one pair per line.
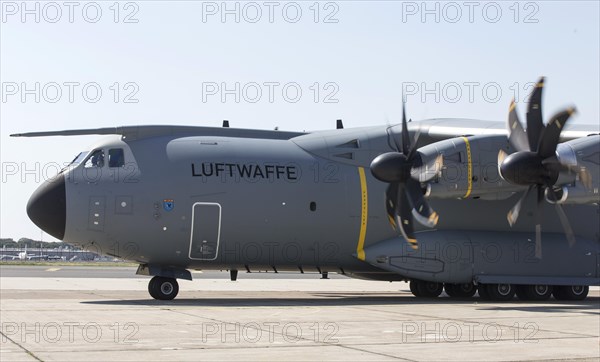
358, 299
589, 306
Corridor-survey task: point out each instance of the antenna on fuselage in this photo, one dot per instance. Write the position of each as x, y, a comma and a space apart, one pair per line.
339, 124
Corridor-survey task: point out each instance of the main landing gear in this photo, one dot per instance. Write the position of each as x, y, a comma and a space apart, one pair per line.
499, 292
423, 289
465, 290
571, 292
162, 288
534, 292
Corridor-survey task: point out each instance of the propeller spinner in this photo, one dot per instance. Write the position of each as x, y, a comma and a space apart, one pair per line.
534, 164
404, 198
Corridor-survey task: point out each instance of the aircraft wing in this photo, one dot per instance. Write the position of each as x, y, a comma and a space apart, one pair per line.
435, 129
138, 132
444, 128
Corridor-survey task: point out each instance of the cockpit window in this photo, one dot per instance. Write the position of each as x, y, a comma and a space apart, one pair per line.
116, 158
76, 161
80, 157
96, 160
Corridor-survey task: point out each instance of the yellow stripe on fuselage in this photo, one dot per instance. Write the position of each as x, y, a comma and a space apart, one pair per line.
364, 214
469, 168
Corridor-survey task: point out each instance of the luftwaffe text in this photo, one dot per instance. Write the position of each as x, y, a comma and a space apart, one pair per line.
250, 171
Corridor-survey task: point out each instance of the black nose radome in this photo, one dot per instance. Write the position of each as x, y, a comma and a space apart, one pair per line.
47, 207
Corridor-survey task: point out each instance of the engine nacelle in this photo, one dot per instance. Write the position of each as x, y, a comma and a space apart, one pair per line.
470, 168
580, 183
440, 190
573, 195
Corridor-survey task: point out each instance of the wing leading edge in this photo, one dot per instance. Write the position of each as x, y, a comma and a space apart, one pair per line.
139, 132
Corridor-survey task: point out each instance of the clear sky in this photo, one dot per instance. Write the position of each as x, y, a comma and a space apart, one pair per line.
295, 65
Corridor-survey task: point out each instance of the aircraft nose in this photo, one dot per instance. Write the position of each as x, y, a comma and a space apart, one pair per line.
47, 207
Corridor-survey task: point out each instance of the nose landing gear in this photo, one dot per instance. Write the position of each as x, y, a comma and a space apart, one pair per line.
162, 288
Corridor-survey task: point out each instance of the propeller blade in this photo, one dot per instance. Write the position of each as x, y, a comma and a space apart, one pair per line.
538, 222
535, 123
420, 209
404, 219
396, 145
562, 216
550, 137
405, 135
501, 156
428, 171
539, 143
391, 200
585, 177
399, 213
513, 214
565, 224
413, 148
516, 134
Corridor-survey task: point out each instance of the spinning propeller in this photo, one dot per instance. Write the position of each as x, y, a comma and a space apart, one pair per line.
404, 197
535, 163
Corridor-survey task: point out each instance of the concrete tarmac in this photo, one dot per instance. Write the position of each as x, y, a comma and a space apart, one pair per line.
54, 317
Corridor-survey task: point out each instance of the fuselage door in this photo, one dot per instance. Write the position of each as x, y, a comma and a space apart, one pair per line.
206, 231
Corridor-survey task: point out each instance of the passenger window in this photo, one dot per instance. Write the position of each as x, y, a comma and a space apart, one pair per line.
116, 158
95, 160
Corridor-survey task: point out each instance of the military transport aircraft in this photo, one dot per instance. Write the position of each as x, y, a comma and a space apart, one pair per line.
359, 202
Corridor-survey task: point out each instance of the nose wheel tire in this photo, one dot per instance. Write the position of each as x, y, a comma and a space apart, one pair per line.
162, 288
464, 290
571, 292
